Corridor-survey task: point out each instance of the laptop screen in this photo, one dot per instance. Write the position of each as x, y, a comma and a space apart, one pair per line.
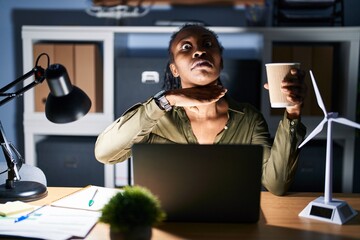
202, 183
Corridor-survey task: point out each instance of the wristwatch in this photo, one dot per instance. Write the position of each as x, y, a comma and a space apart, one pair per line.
162, 102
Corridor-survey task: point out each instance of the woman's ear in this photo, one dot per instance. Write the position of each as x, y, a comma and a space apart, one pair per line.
174, 70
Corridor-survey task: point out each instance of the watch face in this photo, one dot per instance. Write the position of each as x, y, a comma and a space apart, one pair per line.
165, 103
162, 102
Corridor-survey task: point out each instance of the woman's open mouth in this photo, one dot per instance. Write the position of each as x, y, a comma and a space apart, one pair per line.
201, 64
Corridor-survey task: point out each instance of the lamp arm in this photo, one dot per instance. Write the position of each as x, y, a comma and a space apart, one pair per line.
14, 164
13, 158
39, 74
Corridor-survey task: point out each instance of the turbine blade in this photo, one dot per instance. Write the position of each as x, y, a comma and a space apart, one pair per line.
346, 122
314, 132
317, 93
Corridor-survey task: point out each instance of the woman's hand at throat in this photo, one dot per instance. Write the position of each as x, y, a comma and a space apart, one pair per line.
195, 96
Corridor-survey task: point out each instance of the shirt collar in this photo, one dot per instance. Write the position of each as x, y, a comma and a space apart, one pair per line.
233, 105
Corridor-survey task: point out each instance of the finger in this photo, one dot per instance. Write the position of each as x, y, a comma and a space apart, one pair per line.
294, 91
266, 86
293, 71
293, 81
297, 86
295, 99
194, 109
295, 74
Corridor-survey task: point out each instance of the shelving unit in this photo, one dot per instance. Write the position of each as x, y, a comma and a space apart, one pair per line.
36, 126
255, 43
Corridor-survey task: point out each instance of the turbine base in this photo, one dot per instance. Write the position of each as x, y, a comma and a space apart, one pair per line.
336, 211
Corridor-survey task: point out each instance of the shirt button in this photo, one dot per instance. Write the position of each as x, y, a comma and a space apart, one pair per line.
292, 130
292, 123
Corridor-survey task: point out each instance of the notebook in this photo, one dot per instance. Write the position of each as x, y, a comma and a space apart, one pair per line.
202, 183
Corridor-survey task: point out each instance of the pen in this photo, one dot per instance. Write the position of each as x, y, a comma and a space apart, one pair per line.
21, 218
91, 202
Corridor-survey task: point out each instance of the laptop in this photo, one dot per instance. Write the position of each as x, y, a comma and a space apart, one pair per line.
202, 183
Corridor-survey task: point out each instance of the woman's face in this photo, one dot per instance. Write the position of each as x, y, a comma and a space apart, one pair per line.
197, 57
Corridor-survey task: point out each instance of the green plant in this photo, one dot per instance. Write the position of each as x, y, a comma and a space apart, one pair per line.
135, 206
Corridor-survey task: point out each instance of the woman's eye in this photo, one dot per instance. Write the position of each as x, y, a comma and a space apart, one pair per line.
208, 44
186, 46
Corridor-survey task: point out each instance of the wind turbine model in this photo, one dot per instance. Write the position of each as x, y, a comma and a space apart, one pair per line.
326, 208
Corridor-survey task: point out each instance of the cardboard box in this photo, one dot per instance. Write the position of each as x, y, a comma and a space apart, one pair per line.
64, 54
88, 74
83, 64
41, 91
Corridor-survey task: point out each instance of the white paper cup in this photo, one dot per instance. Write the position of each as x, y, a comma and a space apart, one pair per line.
276, 73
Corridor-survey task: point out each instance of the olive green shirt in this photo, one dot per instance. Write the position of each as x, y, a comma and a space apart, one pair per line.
148, 123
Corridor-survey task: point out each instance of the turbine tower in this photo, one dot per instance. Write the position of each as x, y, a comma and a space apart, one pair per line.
326, 208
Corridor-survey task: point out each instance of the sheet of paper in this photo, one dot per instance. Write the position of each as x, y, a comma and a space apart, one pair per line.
15, 207
51, 223
81, 198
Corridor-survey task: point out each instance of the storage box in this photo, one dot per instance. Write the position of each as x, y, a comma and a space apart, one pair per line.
69, 161
83, 64
88, 74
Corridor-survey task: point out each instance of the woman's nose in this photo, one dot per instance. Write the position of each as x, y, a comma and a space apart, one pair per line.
198, 53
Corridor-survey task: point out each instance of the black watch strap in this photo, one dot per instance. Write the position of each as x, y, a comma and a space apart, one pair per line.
162, 102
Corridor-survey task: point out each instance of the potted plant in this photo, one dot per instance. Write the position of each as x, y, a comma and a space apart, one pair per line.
132, 213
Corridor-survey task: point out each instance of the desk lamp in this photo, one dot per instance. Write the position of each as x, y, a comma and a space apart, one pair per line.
326, 208
65, 103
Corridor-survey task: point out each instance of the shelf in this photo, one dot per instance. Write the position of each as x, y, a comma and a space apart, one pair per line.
35, 123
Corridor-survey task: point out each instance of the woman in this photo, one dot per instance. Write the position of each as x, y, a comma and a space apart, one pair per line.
196, 109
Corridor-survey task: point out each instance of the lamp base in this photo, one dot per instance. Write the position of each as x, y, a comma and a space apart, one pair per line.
25, 191
336, 211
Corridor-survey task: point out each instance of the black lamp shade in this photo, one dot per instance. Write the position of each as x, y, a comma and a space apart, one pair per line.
65, 103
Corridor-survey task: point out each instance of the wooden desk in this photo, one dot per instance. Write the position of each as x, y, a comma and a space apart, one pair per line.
279, 220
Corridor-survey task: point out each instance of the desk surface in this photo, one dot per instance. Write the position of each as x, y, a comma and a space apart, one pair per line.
279, 220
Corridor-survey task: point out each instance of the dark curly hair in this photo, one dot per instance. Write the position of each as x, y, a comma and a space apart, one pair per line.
171, 82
